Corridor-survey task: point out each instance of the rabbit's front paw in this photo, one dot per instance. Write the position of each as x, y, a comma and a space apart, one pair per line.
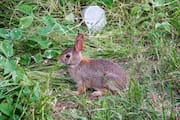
76, 92
97, 93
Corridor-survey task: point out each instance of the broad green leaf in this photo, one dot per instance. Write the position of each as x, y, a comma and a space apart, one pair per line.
48, 20
35, 94
10, 101
26, 91
146, 7
18, 74
19, 107
157, 25
25, 9
45, 30
10, 66
2, 61
37, 58
166, 26
50, 54
26, 21
160, 15
25, 59
157, 42
26, 81
6, 48
36, 90
108, 2
159, 2
174, 4
6, 109
4, 33
42, 41
16, 34
62, 2
136, 11
58, 28
69, 43
3, 117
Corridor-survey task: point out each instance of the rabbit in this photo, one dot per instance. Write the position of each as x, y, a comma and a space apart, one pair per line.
98, 74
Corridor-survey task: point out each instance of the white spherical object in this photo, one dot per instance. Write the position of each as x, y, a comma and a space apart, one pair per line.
94, 18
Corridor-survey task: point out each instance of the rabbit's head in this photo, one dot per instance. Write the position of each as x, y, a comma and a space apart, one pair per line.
72, 56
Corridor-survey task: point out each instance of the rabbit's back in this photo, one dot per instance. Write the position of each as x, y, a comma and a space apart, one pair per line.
98, 73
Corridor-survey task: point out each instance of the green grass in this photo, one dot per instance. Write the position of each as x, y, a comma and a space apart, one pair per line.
142, 36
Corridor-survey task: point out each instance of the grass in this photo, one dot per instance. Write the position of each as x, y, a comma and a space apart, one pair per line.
142, 36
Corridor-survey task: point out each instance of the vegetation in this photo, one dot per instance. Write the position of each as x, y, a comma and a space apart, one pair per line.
142, 36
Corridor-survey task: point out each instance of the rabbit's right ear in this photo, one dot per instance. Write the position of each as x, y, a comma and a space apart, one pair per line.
79, 42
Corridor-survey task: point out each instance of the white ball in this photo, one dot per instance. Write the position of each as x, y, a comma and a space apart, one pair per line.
94, 18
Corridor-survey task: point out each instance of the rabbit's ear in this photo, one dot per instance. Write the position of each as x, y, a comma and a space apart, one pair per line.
79, 42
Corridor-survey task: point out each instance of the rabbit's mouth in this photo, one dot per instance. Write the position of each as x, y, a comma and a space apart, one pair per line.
71, 65
68, 64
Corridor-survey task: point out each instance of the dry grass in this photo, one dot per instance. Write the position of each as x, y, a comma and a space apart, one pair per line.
142, 36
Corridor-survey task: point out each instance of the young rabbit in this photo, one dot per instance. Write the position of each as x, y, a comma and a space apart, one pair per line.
99, 74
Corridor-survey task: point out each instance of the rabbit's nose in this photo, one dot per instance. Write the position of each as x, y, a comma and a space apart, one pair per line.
59, 59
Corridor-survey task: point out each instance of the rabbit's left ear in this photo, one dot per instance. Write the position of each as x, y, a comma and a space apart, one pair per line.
79, 42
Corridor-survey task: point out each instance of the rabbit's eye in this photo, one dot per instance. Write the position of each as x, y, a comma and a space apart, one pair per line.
68, 56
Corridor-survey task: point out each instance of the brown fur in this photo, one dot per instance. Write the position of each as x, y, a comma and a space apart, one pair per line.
99, 74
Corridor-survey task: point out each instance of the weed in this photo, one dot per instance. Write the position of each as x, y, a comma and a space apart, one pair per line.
142, 36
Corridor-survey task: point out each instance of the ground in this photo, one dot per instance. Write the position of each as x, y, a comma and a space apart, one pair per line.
141, 36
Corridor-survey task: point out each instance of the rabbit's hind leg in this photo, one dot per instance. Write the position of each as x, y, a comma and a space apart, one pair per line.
80, 88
